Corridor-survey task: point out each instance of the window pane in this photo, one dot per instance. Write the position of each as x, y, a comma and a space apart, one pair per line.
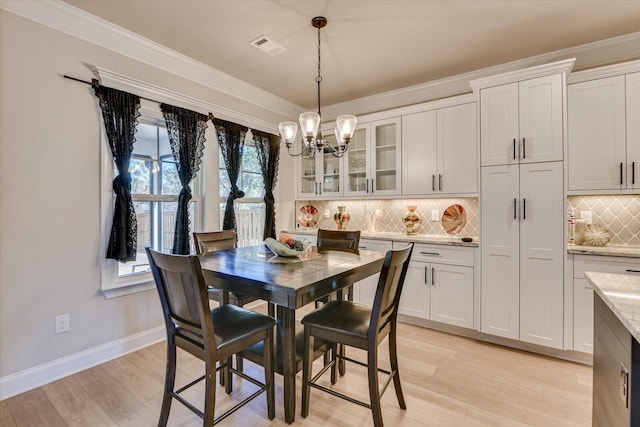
249, 222
250, 160
252, 185
225, 185
141, 177
145, 238
169, 180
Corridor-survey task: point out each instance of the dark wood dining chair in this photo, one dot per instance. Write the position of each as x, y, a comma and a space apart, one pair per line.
213, 335
352, 324
338, 240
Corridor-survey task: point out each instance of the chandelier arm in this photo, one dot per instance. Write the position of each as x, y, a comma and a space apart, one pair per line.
336, 151
302, 151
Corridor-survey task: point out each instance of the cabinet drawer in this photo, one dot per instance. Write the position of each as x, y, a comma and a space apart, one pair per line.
442, 254
603, 264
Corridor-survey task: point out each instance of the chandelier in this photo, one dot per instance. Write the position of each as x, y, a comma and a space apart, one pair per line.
312, 140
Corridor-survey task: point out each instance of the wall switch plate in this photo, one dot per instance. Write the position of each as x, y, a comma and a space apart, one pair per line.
62, 324
435, 215
587, 216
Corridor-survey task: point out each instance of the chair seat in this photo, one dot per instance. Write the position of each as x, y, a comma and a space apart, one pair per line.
233, 325
346, 318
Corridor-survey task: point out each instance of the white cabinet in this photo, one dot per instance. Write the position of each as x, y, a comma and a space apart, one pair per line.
320, 176
604, 133
439, 154
522, 243
373, 159
583, 292
365, 290
521, 122
439, 284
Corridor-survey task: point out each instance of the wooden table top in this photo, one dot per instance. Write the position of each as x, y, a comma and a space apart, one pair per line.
292, 283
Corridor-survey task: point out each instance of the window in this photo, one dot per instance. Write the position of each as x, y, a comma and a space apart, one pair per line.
155, 187
249, 209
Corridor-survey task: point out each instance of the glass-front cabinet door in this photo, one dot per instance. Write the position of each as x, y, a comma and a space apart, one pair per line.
385, 156
330, 168
307, 184
356, 163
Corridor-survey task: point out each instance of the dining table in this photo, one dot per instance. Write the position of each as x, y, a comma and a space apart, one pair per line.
289, 284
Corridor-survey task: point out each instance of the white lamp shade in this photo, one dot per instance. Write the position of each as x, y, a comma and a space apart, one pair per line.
288, 132
309, 123
346, 125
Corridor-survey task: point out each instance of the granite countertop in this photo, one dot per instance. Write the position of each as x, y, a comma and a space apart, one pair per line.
610, 250
621, 293
402, 237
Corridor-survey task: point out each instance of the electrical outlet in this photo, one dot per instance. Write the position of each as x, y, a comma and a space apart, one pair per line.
435, 215
62, 323
327, 213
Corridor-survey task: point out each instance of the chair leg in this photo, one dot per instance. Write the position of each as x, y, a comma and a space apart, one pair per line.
228, 381
341, 363
271, 310
169, 382
307, 363
239, 363
393, 357
269, 377
210, 394
334, 359
374, 387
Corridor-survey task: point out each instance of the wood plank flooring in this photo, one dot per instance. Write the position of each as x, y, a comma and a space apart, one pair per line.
447, 381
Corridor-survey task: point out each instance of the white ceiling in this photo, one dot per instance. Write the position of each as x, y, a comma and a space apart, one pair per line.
368, 47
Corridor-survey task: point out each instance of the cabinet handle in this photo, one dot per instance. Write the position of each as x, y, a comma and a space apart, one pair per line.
320, 188
433, 183
515, 208
367, 186
425, 274
524, 149
440, 182
362, 247
373, 187
630, 270
633, 172
315, 188
524, 208
514, 148
433, 276
620, 173
430, 253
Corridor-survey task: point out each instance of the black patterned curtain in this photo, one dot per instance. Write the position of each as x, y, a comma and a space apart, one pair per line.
120, 112
268, 147
231, 139
186, 130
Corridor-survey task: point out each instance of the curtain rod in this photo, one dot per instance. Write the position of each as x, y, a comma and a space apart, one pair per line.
96, 83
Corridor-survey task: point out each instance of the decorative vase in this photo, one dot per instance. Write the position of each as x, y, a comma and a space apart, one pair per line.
411, 220
342, 217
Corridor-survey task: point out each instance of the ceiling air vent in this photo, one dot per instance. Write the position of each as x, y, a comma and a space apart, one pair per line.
267, 45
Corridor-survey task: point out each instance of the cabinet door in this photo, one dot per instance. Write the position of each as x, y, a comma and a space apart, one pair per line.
419, 153
329, 172
582, 315
365, 290
307, 183
541, 254
596, 140
452, 294
414, 300
500, 247
540, 106
499, 125
356, 163
385, 157
457, 150
633, 131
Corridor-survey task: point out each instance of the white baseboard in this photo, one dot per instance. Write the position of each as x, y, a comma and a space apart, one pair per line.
37, 376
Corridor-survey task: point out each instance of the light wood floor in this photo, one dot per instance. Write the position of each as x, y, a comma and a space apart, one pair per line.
447, 381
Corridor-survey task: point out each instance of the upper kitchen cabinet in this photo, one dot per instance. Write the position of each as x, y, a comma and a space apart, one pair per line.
320, 176
372, 161
604, 129
521, 115
440, 154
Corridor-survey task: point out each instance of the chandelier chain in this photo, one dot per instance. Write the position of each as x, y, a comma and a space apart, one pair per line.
319, 76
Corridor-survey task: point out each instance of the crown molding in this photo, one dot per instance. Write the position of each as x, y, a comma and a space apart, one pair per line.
603, 72
559, 67
71, 20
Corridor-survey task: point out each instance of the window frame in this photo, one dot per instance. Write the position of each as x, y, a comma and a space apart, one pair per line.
111, 283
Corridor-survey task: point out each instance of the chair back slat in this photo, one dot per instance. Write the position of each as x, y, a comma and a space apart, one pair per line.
390, 283
337, 240
213, 241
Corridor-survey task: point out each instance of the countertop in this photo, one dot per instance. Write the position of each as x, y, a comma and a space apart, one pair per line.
610, 250
621, 293
402, 237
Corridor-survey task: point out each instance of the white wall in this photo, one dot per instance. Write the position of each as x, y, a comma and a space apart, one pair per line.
50, 232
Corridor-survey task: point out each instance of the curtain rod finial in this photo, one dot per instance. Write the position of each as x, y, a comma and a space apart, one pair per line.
211, 116
95, 83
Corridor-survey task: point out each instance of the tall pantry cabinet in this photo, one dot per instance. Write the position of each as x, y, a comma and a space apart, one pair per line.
522, 200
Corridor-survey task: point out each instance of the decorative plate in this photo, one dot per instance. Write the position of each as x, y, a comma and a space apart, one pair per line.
309, 216
281, 249
596, 235
454, 219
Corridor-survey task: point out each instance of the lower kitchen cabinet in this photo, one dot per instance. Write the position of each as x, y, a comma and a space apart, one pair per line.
364, 291
439, 284
583, 292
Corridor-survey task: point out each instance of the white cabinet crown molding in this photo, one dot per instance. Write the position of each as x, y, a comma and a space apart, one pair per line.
559, 67
603, 72
151, 91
